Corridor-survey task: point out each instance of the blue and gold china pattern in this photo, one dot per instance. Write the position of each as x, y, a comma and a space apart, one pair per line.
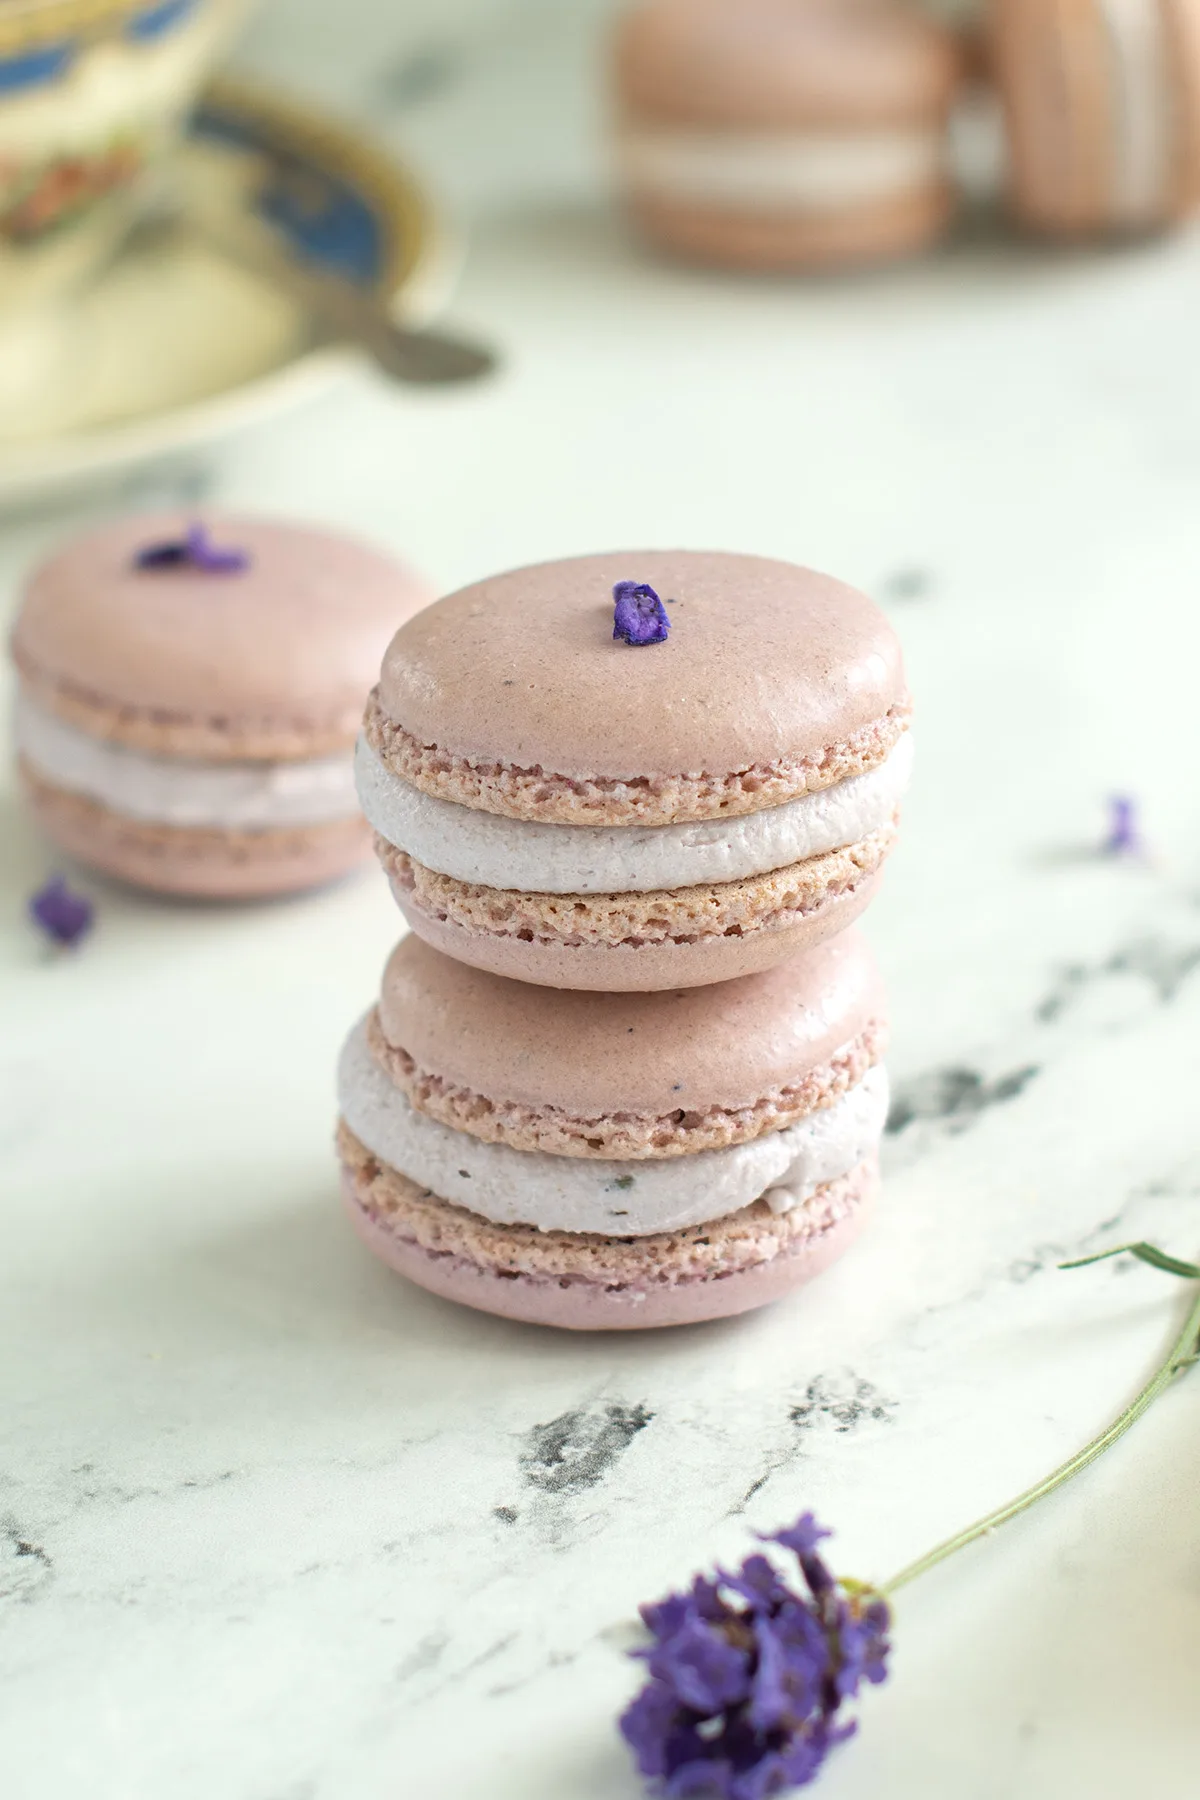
39, 43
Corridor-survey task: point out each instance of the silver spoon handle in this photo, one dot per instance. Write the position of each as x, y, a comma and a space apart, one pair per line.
428, 358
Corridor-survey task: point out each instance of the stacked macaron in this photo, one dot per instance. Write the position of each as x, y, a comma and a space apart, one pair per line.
556, 806
189, 695
627, 1071
785, 134
614, 1160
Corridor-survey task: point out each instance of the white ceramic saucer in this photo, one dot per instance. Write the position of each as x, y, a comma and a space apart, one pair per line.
172, 346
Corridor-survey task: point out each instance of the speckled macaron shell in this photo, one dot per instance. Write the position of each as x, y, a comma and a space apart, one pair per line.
268, 667
1102, 107
272, 662
618, 1075
589, 1283
512, 695
681, 953
756, 77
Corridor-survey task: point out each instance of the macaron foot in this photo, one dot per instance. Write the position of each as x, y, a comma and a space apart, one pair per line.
206, 863
584, 1282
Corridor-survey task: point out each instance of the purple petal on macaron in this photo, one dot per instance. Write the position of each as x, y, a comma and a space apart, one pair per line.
195, 551
65, 917
639, 616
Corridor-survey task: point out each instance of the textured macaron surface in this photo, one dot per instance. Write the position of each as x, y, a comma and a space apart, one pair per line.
626, 1058
273, 658
780, 63
513, 696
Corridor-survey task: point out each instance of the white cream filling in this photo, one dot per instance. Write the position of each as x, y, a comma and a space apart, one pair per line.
162, 790
1142, 108
618, 1199
529, 857
819, 170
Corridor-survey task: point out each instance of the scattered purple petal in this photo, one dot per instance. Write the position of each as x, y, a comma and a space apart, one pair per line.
1124, 835
66, 918
194, 551
748, 1676
639, 615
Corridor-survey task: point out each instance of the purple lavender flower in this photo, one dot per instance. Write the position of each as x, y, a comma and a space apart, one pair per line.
65, 917
194, 551
639, 616
1124, 837
748, 1676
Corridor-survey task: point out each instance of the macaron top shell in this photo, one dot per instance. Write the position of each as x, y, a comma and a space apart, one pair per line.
780, 64
766, 662
276, 658
593, 1054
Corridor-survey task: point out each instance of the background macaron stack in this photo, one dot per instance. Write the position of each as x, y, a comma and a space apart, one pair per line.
627, 1070
189, 695
1102, 104
785, 134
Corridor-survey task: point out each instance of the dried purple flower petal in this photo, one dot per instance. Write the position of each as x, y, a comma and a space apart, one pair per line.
747, 1677
639, 615
1124, 837
66, 918
194, 551
802, 1539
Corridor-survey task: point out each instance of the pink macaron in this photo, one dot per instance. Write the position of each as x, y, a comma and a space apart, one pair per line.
785, 134
189, 695
614, 1161
560, 806
1102, 103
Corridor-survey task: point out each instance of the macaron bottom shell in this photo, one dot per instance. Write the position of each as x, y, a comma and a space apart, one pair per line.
779, 242
648, 967
204, 863
587, 1283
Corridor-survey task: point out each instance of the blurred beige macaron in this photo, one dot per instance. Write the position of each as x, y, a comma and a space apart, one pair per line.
1102, 109
188, 697
785, 134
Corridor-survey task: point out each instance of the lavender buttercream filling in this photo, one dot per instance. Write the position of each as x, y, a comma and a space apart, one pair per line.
163, 790
617, 1199
524, 855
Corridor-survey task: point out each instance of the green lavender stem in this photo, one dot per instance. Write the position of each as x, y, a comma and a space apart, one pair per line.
1183, 1353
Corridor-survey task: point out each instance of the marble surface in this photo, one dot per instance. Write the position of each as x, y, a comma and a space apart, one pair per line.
274, 1526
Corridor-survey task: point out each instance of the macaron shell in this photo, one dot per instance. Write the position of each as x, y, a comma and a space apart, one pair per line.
196, 862
856, 236
590, 1054
652, 968
275, 660
581, 1305
775, 63
765, 662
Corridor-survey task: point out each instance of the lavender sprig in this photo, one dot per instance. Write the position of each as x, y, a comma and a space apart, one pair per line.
195, 550
639, 616
64, 917
748, 1678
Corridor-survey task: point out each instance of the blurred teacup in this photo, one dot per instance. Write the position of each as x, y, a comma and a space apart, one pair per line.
93, 94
